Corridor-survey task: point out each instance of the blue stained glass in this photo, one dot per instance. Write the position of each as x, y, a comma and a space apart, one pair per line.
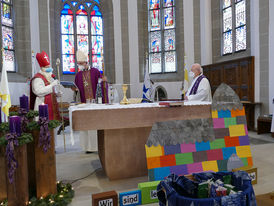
96, 11
67, 44
66, 6
67, 24
89, 4
81, 7
241, 38
74, 3
169, 18
63, 0
227, 41
7, 37
82, 43
97, 1
97, 62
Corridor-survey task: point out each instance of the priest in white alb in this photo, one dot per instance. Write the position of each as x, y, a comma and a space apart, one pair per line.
200, 88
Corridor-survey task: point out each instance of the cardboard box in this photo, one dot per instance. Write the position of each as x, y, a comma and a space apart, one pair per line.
149, 192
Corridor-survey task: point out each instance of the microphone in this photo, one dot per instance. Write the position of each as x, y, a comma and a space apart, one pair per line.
53, 76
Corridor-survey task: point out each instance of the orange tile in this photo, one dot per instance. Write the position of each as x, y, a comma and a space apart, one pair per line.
250, 161
153, 162
237, 112
168, 160
232, 141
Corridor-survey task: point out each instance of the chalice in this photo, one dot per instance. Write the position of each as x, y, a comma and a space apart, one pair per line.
124, 100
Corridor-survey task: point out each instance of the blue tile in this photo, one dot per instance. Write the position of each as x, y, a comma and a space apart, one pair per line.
224, 113
202, 146
161, 173
228, 151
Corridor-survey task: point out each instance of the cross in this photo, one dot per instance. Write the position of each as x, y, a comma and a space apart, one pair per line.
85, 83
46, 57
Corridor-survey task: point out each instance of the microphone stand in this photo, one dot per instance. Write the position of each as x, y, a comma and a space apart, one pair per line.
61, 103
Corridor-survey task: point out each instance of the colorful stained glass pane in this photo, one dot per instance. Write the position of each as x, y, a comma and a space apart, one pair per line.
96, 25
67, 24
8, 59
169, 18
155, 23
82, 24
89, 4
68, 64
240, 13
7, 35
95, 11
226, 3
66, 6
169, 40
241, 38
97, 44
155, 41
227, 42
170, 61
227, 19
168, 3
7, 1
97, 1
97, 62
81, 12
154, 4
67, 44
155, 63
74, 3
6, 15
82, 43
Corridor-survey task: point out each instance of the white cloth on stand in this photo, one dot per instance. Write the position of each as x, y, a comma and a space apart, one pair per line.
203, 92
88, 140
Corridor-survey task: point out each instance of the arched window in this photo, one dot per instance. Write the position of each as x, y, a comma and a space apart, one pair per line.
81, 29
7, 28
234, 26
161, 27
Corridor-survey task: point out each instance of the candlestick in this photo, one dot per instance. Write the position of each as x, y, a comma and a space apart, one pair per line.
15, 125
43, 110
24, 102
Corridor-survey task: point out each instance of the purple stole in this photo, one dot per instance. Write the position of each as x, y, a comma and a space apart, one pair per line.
196, 85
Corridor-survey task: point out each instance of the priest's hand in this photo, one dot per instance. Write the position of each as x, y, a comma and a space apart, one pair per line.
104, 78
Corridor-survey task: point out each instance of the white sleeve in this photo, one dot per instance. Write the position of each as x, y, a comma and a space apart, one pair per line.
39, 88
202, 92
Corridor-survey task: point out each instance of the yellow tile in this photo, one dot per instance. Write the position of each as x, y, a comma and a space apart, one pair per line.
243, 151
154, 151
236, 130
215, 114
210, 166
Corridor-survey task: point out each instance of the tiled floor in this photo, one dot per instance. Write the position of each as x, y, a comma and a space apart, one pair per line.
87, 176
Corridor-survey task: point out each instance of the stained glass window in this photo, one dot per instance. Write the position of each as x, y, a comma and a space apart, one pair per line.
81, 29
162, 41
234, 26
7, 28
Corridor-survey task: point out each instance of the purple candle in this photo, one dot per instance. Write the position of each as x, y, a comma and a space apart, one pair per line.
24, 102
43, 111
15, 125
0, 116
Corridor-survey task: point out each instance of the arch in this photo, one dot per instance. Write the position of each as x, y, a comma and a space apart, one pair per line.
160, 93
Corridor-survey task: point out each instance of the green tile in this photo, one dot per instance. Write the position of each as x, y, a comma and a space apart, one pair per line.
184, 158
230, 121
222, 165
149, 192
244, 160
217, 144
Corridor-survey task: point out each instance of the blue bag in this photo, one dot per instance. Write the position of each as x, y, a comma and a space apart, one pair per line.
180, 191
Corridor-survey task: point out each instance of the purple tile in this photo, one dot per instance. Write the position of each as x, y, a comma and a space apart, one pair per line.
185, 148
172, 149
179, 169
195, 167
218, 123
244, 140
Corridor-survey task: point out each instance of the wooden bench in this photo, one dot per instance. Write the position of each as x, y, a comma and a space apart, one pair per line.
264, 125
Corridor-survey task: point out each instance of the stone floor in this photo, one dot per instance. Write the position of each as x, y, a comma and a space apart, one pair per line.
85, 172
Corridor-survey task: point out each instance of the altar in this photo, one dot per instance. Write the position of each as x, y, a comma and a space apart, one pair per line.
124, 129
